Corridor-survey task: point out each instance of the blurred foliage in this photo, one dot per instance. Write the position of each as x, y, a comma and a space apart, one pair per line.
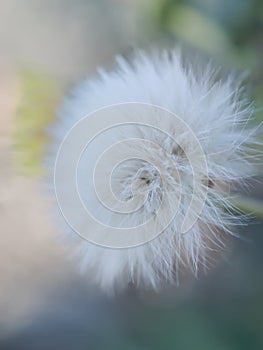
230, 31
38, 97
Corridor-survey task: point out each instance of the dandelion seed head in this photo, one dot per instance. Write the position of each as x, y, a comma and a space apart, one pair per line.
214, 119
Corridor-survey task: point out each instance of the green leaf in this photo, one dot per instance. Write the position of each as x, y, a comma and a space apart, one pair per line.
249, 205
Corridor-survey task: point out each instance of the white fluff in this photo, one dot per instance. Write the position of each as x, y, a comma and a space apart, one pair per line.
217, 114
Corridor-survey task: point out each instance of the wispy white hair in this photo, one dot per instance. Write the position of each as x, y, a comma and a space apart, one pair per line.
218, 115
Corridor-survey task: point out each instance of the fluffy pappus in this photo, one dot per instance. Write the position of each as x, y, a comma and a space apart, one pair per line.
217, 114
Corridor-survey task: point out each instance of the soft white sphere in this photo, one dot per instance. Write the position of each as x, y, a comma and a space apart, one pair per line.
215, 112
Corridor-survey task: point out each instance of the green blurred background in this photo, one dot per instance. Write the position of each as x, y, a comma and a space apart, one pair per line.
46, 46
